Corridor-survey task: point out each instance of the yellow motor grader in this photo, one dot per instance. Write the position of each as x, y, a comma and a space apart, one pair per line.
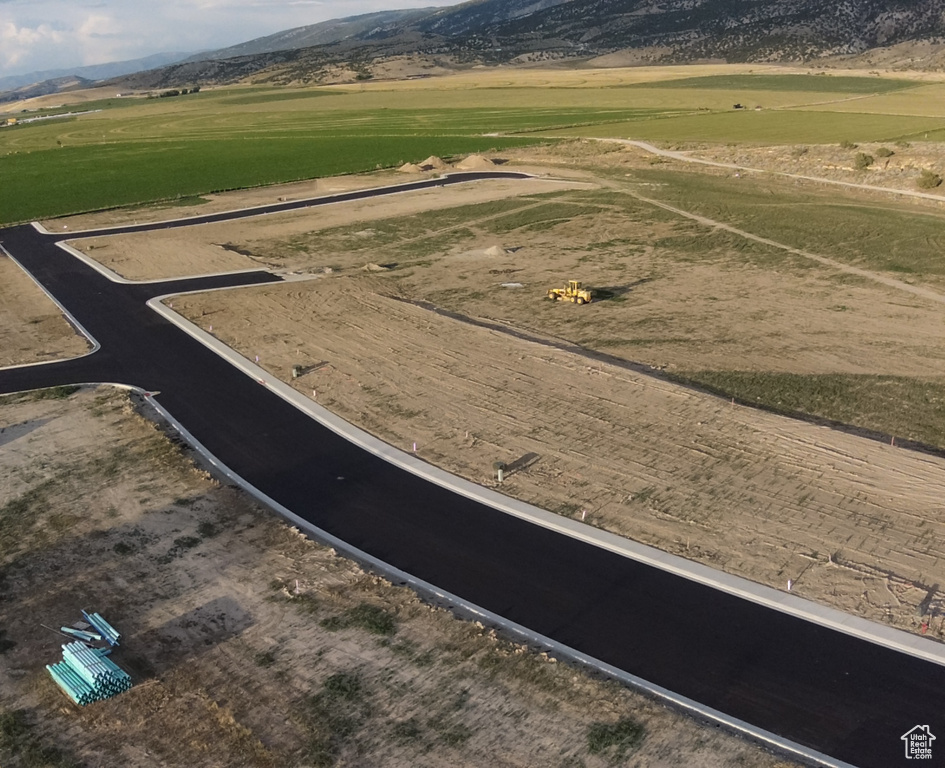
573, 292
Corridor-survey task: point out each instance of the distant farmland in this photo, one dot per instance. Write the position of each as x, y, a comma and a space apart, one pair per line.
138, 151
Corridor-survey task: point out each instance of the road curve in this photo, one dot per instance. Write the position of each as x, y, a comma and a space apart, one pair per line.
829, 692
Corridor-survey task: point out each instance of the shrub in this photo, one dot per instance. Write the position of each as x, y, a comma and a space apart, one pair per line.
903, 144
862, 161
371, 618
615, 740
928, 180
5, 645
884, 152
23, 739
847, 144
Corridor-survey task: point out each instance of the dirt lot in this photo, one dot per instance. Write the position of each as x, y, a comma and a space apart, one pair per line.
252, 646
227, 201
249, 198
32, 329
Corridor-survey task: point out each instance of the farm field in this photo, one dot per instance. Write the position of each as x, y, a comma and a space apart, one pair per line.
424, 319
769, 126
135, 150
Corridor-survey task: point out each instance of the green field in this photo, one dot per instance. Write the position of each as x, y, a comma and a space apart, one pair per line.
876, 236
136, 150
54, 182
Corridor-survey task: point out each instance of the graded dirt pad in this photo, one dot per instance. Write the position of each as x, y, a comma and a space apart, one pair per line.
231, 246
852, 522
252, 646
168, 253
32, 327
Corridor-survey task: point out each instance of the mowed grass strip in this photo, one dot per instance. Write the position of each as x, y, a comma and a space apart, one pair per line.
927, 100
902, 407
763, 126
832, 84
878, 237
218, 121
74, 179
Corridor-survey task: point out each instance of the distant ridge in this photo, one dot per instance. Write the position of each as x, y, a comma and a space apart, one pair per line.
324, 33
531, 31
94, 72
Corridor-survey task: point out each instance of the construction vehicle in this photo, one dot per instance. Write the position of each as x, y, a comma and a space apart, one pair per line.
572, 292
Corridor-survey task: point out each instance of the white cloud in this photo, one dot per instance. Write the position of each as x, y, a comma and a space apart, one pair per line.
55, 34
17, 42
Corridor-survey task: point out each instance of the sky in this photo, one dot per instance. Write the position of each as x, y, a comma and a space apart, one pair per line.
37, 35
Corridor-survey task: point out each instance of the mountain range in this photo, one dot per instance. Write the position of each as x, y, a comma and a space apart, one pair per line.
569, 31
82, 76
523, 31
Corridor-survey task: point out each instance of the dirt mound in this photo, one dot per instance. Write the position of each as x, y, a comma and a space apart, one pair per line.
410, 168
476, 163
372, 267
495, 250
433, 163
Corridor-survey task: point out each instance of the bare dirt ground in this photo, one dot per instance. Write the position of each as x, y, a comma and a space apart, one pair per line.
897, 171
173, 253
32, 328
252, 646
249, 198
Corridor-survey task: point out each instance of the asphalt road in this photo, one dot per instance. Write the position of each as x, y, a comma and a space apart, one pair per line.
828, 691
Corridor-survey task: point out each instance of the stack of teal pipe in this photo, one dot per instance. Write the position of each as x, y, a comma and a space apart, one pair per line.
86, 674
105, 629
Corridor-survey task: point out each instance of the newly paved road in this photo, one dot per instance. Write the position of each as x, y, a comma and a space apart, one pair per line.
834, 693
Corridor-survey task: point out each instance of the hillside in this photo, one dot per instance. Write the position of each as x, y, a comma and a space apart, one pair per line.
325, 33
502, 31
90, 73
53, 85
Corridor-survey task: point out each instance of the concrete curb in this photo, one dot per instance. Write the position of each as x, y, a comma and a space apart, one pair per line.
68, 315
